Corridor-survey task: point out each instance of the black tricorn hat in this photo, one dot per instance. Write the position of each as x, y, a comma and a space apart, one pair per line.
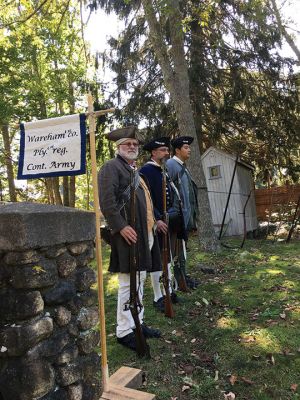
178, 142
156, 143
128, 132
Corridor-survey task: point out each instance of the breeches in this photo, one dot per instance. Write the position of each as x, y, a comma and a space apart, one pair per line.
125, 322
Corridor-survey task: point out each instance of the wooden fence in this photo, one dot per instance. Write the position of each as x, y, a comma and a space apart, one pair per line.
279, 202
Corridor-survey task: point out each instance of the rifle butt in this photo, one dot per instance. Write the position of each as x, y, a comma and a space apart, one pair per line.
183, 287
169, 311
142, 347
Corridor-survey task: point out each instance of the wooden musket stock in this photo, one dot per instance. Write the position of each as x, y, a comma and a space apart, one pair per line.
135, 305
182, 285
169, 312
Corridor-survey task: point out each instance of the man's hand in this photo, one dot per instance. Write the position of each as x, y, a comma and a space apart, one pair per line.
162, 227
129, 234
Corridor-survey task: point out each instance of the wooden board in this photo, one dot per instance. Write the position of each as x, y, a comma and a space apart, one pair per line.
122, 386
123, 393
127, 377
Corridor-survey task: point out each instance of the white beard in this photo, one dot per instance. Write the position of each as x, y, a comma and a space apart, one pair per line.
129, 155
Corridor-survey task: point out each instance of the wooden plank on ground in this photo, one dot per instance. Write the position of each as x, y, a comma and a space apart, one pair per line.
123, 393
122, 384
127, 377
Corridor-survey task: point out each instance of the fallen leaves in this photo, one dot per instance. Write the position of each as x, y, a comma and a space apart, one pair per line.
287, 353
277, 288
270, 359
185, 388
256, 357
247, 339
205, 301
177, 333
234, 378
216, 378
229, 396
282, 315
188, 369
294, 387
204, 358
247, 381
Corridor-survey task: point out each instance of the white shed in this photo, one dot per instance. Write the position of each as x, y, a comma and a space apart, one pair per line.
219, 168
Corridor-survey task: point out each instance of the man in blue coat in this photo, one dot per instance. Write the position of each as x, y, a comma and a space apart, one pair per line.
187, 188
152, 172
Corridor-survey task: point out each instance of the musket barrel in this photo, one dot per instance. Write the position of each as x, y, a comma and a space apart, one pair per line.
169, 311
135, 305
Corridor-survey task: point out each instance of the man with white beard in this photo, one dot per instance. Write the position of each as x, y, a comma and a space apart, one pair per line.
114, 196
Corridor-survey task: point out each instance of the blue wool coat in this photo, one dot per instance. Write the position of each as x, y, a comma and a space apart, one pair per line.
184, 183
153, 176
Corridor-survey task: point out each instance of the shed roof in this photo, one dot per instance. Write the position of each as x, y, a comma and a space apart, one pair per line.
228, 155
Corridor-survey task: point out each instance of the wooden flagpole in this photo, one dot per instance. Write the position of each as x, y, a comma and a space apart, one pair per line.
91, 117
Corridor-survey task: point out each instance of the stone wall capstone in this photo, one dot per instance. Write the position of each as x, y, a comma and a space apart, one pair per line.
48, 307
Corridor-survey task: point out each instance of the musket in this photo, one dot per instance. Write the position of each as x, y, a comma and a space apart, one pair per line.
182, 285
169, 312
180, 275
135, 305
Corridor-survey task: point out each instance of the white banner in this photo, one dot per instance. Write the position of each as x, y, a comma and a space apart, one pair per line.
52, 147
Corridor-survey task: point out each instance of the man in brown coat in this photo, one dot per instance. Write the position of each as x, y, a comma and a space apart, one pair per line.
114, 181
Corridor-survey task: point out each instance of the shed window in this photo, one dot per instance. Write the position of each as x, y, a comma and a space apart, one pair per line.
214, 172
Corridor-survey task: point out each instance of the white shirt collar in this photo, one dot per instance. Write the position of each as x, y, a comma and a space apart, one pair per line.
178, 160
155, 163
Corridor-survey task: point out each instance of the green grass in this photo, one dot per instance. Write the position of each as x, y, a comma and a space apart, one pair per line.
238, 332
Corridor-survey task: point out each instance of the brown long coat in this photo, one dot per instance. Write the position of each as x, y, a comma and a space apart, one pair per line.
113, 179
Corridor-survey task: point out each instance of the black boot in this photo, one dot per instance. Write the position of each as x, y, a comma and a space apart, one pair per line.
128, 341
159, 304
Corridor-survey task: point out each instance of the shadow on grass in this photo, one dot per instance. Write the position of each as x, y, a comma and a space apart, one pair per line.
238, 332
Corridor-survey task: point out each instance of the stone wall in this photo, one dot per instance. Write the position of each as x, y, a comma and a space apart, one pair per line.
48, 310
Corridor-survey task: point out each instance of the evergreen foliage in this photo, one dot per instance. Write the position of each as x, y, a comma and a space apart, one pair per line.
244, 93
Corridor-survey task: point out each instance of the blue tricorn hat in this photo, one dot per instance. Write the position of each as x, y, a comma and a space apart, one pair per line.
156, 143
178, 142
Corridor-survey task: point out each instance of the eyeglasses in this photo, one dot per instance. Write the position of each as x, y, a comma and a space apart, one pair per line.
130, 144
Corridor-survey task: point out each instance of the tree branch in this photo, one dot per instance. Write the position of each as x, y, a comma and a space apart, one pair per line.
87, 58
62, 16
283, 31
20, 21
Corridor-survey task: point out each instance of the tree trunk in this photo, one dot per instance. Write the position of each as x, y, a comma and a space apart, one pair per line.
71, 96
72, 191
196, 76
9, 164
55, 186
66, 200
176, 80
49, 191
284, 32
1, 191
